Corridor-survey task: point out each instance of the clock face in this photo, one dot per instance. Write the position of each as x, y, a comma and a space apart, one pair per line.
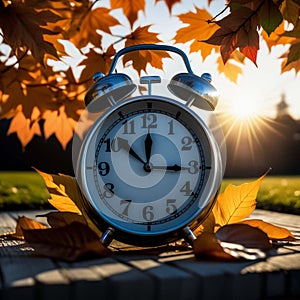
148, 166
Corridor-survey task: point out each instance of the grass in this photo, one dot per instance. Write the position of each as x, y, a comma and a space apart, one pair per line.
26, 190
22, 190
277, 193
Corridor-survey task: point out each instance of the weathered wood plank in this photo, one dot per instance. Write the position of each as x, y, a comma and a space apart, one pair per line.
139, 275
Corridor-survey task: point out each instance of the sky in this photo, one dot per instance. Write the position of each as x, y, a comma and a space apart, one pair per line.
258, 88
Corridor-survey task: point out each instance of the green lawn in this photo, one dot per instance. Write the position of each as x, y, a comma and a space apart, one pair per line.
26, 190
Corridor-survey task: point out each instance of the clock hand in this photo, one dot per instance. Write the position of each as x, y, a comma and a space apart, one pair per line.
148, 147
123, 144
174, 168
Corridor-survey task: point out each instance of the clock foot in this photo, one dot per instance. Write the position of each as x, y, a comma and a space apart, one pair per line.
189, 235
107, 236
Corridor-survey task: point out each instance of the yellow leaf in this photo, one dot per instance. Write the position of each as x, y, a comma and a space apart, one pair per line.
273, 232
207, 226
66, 196
25, 223
63, 191
236, 202
231, 70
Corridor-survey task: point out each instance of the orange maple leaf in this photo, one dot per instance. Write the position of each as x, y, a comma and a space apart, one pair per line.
169, 3
27, 29
198, 29
57, 122
130, 8
139, 59
96, 62
96, 19
25, 128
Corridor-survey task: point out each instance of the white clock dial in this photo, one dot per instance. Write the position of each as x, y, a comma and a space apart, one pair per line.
148, 165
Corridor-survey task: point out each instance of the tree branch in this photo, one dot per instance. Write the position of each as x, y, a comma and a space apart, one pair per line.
11, 66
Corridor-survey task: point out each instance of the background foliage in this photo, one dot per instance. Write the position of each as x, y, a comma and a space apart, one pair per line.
44, 100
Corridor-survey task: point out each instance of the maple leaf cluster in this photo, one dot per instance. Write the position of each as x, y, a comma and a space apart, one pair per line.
227, 233
46, 100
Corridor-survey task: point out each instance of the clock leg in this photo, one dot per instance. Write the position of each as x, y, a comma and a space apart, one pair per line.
107, 236
189, 235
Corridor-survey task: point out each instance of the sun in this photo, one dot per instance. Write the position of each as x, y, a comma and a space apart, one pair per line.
247, 109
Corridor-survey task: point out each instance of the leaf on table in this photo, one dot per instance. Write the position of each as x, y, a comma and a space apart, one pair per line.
207, 226
236, 202
63, 191
60, 219
69, 243
274, 232
25, 223
206, 245
245, 235
66, 196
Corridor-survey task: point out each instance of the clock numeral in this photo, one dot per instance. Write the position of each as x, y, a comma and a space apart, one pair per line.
125, 203
171, 128
112, 145
103, 168
186, 141
129, 127
108, 190
171, 206
186, 189
148, 214
194, 167
151, 118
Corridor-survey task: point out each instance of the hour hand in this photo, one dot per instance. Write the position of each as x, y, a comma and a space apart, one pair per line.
123, 144
148, 147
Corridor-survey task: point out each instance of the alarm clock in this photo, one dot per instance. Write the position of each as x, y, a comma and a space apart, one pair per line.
149, 167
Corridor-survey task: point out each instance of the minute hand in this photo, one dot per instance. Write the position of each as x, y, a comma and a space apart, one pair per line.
174, 168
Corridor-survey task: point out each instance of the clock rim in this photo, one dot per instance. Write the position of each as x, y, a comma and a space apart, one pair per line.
148, 239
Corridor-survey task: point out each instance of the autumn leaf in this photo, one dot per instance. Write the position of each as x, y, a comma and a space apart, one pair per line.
140, 59
25, 128
66, 195
27, 30
245, 235
237, 30
96, 62
63, 191
69, 243
236, 202
24, 223
58, 219
198, 30
130, 8
269, 16
234, 241
231, 70
169, 3
207, 245
57, 122
96, 19
273, 232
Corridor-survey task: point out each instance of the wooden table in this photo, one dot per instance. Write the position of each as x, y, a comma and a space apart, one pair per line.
142, 276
